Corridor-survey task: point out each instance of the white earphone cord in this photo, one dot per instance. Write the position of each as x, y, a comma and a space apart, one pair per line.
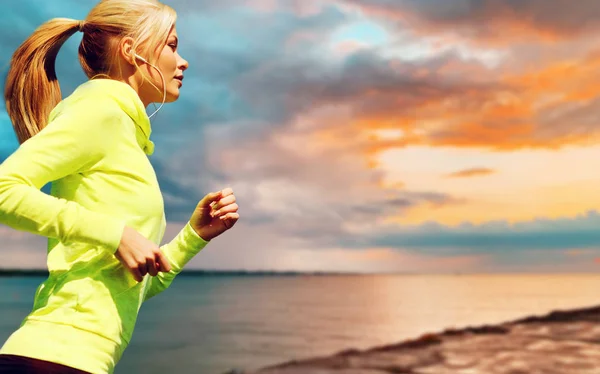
163, 82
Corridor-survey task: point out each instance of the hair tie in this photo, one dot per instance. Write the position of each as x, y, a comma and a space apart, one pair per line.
80, 25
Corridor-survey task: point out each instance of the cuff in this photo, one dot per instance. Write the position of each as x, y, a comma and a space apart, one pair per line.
191, 237
183, 247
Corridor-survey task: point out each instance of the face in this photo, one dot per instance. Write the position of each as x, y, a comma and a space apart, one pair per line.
172, 66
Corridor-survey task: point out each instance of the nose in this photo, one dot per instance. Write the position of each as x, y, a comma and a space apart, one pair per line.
183, 64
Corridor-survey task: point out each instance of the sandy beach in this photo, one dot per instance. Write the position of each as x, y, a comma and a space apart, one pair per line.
560, 342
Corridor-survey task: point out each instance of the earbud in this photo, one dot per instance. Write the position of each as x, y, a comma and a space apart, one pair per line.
140, 57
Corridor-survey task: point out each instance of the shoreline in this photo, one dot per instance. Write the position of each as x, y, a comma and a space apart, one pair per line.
561, 341
17, 272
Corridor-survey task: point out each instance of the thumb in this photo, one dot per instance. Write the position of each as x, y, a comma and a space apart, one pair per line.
162, 261
209, 198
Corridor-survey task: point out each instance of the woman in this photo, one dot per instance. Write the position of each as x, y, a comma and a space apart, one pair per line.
105, 216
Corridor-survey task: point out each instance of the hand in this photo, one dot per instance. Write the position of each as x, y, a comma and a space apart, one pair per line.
140, 256
215, 214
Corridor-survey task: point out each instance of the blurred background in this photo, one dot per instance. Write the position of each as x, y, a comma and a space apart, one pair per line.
440, 157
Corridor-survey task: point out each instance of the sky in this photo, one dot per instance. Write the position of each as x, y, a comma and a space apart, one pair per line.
412, 136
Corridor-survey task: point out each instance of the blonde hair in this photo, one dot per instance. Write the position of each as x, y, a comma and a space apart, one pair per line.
32, 89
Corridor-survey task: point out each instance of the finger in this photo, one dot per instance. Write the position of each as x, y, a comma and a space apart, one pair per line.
229, 219
230, 216
143, 269
151, 265
209, 199
231, 208
226, 192
136, 274
162, 260
223, 202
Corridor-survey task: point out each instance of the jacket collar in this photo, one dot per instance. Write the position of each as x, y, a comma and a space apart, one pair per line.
129, 100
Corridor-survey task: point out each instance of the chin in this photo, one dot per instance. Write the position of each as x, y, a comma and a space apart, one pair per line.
171, 97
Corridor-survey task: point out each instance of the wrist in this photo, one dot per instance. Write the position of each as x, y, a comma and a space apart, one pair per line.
203, 235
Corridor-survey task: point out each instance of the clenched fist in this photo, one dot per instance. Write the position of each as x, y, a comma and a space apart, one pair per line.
215, 214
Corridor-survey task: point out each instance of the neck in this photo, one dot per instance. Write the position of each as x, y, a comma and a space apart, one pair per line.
129, 76
135, 84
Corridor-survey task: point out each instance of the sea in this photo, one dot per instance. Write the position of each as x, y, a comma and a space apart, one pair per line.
213, 324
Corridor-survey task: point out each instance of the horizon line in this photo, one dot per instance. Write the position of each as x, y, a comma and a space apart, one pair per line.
198, 272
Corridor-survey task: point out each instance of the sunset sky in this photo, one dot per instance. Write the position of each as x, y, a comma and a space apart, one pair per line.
372, 135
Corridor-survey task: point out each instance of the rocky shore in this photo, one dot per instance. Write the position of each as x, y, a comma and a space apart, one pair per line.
560, 342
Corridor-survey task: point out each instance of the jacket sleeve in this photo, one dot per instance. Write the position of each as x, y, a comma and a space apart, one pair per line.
71, 143
179, 252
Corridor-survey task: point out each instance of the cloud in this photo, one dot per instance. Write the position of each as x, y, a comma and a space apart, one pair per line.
303, 187
490, 247
491, 20
491, 237
440, 99
473, 172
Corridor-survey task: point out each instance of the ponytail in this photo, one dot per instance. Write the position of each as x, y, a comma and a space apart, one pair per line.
32, 89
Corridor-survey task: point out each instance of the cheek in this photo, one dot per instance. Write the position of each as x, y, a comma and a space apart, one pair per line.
168, 63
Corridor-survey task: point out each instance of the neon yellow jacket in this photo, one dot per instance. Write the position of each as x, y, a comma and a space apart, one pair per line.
95, 151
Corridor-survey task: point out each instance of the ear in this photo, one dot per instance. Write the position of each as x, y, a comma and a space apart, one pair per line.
126, 50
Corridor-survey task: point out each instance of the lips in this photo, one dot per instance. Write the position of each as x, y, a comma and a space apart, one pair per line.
179, 78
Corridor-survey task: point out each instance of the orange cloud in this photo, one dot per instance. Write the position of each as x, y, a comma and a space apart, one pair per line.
550, 107
576, 80
474, 172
